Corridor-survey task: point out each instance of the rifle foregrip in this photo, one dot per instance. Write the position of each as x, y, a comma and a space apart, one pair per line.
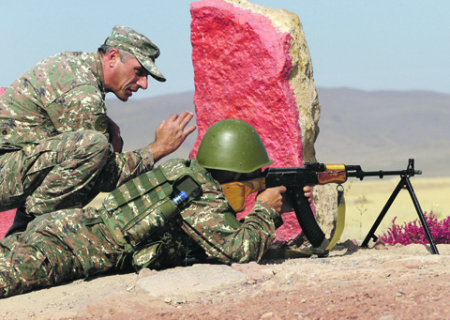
305, 217
334, 173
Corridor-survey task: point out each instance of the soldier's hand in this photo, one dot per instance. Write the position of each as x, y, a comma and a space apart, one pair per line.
307, 191
273, 197
286, 204
171, 133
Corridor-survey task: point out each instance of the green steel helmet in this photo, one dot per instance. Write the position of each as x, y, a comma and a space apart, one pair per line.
232, 145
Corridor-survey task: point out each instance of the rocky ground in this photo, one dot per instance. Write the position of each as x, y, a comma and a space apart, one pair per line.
399, 282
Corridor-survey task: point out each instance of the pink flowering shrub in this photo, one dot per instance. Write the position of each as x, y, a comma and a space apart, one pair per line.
412, 232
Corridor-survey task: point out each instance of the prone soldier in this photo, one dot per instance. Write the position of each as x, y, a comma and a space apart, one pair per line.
142, 223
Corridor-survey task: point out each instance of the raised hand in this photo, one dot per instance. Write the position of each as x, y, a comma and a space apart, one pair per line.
171, 133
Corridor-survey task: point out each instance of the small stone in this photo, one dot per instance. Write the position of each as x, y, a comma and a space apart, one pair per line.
267, 315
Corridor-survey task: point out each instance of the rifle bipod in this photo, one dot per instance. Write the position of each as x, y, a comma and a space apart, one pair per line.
404, 183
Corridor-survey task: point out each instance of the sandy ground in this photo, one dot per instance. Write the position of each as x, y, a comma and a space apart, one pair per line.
399, 282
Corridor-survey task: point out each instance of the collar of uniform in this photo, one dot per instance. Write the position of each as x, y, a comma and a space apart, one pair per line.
98, 72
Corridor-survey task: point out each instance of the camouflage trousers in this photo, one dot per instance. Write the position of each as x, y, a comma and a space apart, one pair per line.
66, 245
56, 173
55, 248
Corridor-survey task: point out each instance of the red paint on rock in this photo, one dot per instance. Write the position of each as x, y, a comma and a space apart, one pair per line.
6, 217
6, 220
242, 66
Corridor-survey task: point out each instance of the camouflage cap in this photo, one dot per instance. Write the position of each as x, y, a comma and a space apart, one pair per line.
144, 50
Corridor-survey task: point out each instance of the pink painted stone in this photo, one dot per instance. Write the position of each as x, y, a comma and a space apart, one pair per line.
242, 67
6, 217
6, 220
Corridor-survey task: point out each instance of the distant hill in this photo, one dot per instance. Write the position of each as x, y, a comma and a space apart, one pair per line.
382, 129
377, 129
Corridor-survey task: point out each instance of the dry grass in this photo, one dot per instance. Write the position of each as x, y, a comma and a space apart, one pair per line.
366, 199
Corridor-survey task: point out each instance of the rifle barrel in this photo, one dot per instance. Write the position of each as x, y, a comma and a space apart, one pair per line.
361, 174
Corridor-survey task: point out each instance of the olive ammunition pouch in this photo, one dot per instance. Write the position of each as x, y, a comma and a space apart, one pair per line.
134, 211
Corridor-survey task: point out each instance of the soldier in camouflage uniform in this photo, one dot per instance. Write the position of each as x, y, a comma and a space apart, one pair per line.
58, 147
138, 224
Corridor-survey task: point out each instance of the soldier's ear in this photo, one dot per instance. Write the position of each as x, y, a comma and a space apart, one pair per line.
113, 57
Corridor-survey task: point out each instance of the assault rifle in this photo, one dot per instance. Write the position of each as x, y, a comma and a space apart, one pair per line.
295, 178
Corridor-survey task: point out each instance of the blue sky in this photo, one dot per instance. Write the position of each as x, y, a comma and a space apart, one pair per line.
368, 45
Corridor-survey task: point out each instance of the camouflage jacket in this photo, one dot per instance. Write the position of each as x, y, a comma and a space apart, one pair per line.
62, 93
208, 223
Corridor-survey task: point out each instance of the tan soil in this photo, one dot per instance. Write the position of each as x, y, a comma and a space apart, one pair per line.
400, 282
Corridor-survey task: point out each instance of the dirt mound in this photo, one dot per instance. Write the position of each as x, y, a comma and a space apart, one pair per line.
396, 282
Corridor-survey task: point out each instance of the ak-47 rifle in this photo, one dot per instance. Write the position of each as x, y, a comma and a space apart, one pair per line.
295, 178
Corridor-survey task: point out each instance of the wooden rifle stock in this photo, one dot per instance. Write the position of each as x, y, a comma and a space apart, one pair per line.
237, 192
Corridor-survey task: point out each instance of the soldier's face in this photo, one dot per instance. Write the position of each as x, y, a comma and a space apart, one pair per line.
129, 77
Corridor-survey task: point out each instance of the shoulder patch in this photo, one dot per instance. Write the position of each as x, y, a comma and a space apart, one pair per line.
101, 123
